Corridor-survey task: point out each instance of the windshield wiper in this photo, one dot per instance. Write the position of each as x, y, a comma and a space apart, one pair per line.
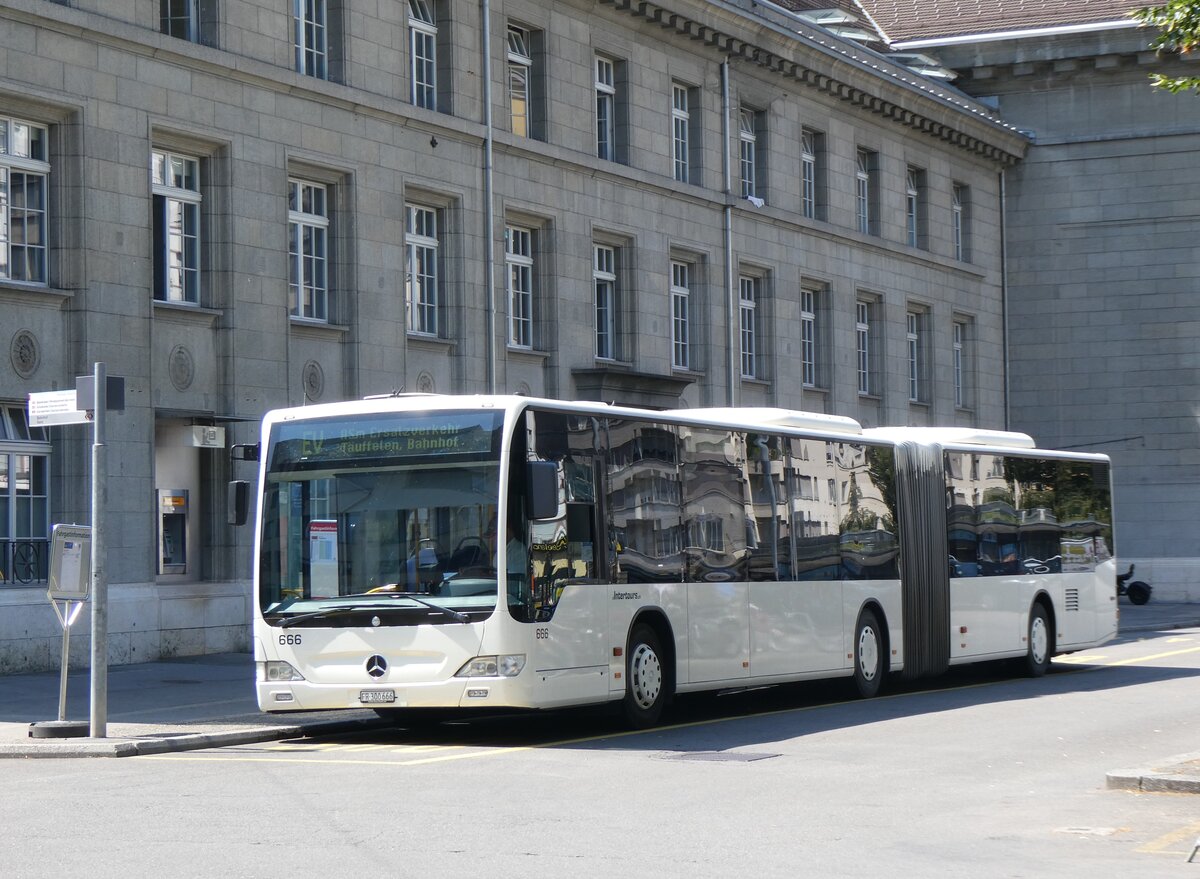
318, 614
457, 616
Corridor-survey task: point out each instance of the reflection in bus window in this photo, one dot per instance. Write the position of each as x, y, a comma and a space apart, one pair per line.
1023, 515
814, 520
867, 543
768, 524
714, 504
643, 502
562, 549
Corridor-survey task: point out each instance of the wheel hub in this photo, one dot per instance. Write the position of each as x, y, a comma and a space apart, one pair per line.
868, 653
1039, 639
645, 676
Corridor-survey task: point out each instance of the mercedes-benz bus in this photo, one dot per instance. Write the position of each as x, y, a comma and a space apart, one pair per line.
506, 552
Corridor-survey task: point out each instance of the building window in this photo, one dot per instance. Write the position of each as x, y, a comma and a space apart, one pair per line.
518, 258
24, 499
191, 20
958, 221
748, 152
810, 142
520, 66
914, 343
962, 363
864, 343
748, 291
680, 132
914, 207
310, 19
308, 249
604, 275
865, 183
681, 338
175, 185
606, 100
180, 18
422, 44
422, 290
808, 337
24, 169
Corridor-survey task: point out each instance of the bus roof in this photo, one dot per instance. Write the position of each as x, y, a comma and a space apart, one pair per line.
955, 436
746, 418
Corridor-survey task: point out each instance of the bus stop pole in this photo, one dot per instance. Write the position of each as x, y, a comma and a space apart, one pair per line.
99, 681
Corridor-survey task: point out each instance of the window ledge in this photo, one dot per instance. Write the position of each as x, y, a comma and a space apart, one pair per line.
756, 382
33, 294
315, 329
692, 374
920, 404
870, 398
430, 343
183, 313
613, 363
528, 353
816, 389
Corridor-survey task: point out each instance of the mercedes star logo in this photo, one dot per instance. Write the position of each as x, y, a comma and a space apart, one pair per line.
376, 666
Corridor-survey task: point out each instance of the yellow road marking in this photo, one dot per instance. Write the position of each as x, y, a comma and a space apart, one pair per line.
626, 733
1159, 846
1134, 659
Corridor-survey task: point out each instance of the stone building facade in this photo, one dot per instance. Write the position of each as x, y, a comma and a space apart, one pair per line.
237, 206
1101, 231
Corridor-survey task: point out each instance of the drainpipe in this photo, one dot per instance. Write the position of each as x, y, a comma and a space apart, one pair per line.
489, 211
731, 334
1004, 298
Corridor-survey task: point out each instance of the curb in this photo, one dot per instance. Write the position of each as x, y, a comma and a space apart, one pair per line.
1179, 774
187, 742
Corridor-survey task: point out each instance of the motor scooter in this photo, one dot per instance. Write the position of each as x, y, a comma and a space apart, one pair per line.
1138, 591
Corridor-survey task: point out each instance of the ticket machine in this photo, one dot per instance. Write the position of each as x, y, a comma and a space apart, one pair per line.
173, 530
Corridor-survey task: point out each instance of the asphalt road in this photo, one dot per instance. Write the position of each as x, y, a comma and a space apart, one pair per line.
980, 775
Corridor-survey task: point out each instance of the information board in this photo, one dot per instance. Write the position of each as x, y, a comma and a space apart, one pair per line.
70, 563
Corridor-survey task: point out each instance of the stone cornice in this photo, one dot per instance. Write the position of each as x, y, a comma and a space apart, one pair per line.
847, 75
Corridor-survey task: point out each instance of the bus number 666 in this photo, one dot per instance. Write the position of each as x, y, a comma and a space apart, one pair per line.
291, 640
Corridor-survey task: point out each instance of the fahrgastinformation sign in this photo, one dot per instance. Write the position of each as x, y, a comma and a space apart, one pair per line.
70, 563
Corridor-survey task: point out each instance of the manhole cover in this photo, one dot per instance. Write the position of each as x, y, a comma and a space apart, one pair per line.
720, 756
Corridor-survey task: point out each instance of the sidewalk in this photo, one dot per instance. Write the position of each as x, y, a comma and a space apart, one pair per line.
208, 701
154, 707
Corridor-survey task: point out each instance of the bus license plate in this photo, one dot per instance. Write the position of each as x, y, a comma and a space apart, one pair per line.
375, 696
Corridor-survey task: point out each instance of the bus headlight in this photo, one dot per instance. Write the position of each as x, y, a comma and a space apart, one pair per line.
277, 670
493, 666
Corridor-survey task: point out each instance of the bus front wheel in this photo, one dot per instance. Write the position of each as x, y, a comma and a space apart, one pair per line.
1041, 641
645, 678
868, 655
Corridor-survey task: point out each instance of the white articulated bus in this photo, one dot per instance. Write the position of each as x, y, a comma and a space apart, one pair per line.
495, 552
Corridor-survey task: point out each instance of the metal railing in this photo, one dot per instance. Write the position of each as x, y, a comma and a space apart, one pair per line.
24, 561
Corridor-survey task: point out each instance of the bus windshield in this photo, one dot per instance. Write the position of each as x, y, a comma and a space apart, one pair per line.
389, 515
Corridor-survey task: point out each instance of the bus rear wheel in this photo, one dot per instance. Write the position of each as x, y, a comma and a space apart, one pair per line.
868, 654
645, 679
1041, 642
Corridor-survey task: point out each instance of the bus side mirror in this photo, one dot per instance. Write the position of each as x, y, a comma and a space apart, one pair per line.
238, 501
541, 489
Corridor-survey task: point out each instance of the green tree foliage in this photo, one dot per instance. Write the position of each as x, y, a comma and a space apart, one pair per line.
1178, 22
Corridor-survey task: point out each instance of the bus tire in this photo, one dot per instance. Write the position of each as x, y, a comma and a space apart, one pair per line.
645, 678
1041, 641
868, 654
1138, 592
